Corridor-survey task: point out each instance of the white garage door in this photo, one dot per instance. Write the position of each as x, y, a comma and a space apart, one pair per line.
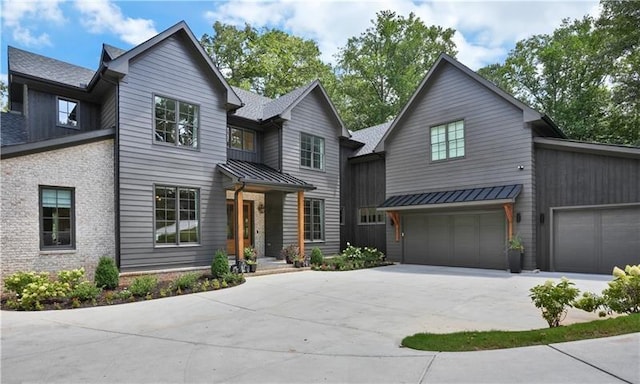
475, 240
595, 240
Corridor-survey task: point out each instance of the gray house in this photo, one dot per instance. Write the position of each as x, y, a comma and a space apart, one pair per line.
466, 166
153, 158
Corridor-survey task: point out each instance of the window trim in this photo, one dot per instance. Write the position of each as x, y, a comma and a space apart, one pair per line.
175, 143
323, 154
373, 215
72, 217
243, 130
177, 243
69, 99
322, 221
445, 125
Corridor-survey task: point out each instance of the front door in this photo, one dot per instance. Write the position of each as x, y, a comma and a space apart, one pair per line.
247, 214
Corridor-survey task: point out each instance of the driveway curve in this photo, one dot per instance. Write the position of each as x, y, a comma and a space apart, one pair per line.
336, 327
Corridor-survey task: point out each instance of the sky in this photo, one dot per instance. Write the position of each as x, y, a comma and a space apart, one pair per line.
74, 30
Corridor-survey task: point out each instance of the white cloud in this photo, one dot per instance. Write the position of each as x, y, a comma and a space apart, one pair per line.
23, 18
486, 30
100, 16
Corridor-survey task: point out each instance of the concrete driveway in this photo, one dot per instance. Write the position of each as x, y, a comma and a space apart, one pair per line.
336, 327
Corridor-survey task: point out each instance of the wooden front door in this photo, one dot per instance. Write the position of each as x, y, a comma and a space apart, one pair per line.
247, 214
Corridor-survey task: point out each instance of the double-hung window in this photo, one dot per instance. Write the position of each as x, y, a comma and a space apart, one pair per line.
57, 218
311, 151
176, 122
447, 141
67, 113
370, 215
313, 219
242, 139
177, 214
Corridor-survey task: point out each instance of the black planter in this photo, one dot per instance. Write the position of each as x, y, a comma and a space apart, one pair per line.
515, 260
253, 267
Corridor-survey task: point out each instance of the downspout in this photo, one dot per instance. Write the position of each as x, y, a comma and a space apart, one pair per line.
237, 226
116, 169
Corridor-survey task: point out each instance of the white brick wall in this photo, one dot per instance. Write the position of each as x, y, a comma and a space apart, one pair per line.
87, 168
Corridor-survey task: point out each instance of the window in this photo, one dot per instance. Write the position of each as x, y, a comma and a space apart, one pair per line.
176, 122
242, 139
67, 113
313, 219
370, 215
311, 151
176, 215
56, 218
447, 141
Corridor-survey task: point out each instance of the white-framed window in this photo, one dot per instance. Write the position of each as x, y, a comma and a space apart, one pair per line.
447, 141
313, 219
176, 122
177, 213
242, 139
311, 151
370, 215
68, 113
57, 218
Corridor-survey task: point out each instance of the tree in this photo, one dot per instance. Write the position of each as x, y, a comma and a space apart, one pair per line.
269, 62
3, 96
380, 69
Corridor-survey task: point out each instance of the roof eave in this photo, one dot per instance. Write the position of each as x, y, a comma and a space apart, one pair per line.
461, 204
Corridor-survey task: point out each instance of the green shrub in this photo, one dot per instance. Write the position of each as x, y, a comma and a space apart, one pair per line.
107, 275
233, 278
316, 256
186, 281
215, 284
589, 302
143, 285
36, 292
72, 277
553, 300
124, 294
623, 293
352, 253
250, 254
290, 252
18, 281
85, 291
220, 264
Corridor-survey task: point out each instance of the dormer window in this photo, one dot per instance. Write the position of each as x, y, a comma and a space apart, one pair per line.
67, 113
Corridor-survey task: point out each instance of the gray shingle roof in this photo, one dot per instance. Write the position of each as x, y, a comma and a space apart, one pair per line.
279, 105
370, 137
502, 192
32, 64
257, 107
12, 129
113, 52
261, 174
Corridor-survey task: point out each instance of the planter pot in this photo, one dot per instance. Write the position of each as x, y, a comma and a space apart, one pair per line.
298, 264
515, 260
252, 267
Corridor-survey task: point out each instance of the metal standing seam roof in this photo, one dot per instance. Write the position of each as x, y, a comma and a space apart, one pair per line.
256, 173
502, 192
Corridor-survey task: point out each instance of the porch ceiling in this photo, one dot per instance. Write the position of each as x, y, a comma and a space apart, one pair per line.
262, 178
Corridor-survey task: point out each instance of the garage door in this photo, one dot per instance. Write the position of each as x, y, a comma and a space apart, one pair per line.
595, 240
463, 240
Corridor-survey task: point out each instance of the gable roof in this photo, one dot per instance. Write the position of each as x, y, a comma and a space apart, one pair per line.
529, 113
113, 52
370, 137
33, 65
252, 104
120, 64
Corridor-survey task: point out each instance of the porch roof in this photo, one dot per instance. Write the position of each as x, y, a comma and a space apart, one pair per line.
454, 198
261, 177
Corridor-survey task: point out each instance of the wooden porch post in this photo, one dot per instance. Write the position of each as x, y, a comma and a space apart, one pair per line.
301, 222
508, 211
239, 225
395, 218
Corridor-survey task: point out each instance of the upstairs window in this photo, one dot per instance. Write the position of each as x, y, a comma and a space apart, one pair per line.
242, 139
56, 218
67, 113
176, 122
370, 215
447, 141
311, 151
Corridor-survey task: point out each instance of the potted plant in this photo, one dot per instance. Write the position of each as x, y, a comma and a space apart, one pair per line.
515, 254
250, 258
298, 261
290, 252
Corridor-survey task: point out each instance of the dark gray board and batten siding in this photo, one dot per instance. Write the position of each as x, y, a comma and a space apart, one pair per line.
174, 69
573, 178
313, 116
496, 142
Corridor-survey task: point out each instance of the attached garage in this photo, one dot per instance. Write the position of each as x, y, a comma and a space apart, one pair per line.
460, 239
595, 239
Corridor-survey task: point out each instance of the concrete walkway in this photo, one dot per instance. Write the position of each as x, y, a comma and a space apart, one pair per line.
329, 327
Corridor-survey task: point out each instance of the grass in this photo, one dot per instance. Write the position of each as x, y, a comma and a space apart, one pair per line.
477, 341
